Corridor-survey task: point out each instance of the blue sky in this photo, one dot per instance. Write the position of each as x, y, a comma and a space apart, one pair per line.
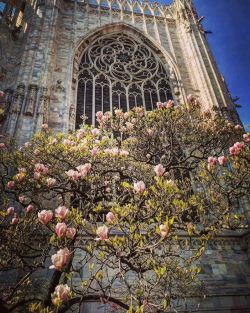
230, 43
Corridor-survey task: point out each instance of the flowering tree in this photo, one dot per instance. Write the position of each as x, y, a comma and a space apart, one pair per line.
100, 214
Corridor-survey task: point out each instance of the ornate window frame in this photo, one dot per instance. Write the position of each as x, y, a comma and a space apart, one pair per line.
132, 32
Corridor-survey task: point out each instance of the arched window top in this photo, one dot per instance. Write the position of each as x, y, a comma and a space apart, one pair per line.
104, 4
118, 70
93, 2
115, 5
127, 8
137, 9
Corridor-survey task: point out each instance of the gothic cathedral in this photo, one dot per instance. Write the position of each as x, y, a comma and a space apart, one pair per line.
61, 61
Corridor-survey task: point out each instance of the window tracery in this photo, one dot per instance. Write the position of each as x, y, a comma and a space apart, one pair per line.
118, 71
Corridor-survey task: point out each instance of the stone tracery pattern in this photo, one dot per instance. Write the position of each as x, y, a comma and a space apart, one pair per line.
118, 71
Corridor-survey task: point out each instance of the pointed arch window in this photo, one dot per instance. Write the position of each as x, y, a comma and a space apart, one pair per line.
118, 71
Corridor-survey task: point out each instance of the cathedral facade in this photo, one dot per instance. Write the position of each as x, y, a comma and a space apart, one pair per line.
61, 61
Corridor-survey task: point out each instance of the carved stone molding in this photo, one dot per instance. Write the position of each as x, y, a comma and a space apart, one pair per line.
31, 99
58, 87
43, 104
18, 98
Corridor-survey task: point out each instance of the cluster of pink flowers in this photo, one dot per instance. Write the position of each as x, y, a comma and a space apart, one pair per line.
62, 231
103, 118
139, 187
41, 168
165, 105
69, 143
1, 93
60, 259
102, 232
213, 161
61, 293
236, 148
116, 152
82, 171
159, 170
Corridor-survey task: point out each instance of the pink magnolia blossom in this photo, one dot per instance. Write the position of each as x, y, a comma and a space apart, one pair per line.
139, 187
51, 182
150, 131
61, 293
102, 232
1, 93
60, 259
169, 104
118, 113
124, 153
11, 184
72, 175
238, 127
45, 216
41, 168
99, 116
212, 161
236, 148
2, 145
222, 160
62, 212
110, 217
71, 232
159, 170
164, 230
36, 152
61, 229
27, 144
160, 105
10, 210
94, 151
108, 114
129, 125
84, 169
15, 220
29, 208
95, 132
37, 176
246, 137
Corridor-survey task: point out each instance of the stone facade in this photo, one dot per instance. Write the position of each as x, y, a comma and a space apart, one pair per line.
39, 67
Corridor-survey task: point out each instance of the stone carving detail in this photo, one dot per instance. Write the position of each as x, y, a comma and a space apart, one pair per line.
31, 99
58, 87
18, 98
43, 108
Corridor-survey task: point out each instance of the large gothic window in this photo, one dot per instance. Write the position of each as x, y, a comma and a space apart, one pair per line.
118, 71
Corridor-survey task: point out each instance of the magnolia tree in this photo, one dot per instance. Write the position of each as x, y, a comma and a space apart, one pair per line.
102, 214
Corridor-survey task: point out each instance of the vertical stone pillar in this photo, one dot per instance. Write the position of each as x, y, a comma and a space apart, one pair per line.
37, 65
